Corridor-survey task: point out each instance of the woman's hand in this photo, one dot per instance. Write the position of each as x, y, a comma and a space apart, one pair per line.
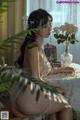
68, 70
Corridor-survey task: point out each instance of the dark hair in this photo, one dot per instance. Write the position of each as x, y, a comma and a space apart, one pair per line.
37, 18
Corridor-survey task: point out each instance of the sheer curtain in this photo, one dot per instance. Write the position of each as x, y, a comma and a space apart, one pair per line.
11, 24
61, 13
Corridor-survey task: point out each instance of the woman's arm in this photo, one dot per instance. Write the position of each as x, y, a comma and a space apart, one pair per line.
68, 70
34, 62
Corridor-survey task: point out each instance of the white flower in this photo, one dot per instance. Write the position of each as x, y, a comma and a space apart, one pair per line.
66, 32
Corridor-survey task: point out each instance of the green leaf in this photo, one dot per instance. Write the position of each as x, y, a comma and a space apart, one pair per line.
72, 41
56, 36
10, 75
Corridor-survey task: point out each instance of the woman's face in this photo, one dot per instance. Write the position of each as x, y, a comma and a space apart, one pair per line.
45, 30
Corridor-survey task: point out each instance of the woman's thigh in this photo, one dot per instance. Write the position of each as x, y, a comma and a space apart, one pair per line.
27, 103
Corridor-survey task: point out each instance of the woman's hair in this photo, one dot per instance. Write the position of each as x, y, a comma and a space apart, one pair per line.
37, 18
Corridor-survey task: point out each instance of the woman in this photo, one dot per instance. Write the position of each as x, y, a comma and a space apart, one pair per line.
33, 61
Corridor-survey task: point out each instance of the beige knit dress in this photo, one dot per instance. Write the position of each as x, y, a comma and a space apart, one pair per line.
25, 101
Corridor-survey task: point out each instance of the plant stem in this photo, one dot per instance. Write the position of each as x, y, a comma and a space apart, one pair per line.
66, 46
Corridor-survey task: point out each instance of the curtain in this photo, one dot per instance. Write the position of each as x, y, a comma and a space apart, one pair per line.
61, 13
12, 23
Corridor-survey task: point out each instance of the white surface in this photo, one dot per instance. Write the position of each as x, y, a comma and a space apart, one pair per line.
71, 85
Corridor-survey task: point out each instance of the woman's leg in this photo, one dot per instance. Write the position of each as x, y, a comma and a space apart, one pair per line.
65, 114
27, 104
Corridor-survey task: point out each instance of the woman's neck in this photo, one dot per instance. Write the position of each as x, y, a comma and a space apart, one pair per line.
40, 41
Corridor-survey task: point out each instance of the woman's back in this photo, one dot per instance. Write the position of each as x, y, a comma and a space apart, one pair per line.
34, 57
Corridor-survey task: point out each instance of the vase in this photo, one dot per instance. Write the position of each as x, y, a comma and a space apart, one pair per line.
66, 57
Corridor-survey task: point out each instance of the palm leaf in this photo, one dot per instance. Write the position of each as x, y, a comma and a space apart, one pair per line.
10, 75
7, 43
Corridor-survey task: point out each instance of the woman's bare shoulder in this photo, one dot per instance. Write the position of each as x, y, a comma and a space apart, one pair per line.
33, 45
32, 48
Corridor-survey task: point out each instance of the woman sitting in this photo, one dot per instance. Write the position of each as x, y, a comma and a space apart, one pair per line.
33, 61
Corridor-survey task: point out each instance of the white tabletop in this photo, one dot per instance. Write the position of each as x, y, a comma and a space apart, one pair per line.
71, 85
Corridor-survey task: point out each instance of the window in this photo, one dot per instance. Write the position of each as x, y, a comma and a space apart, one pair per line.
59, 12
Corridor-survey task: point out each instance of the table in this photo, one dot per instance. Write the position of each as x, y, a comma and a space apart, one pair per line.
71, 85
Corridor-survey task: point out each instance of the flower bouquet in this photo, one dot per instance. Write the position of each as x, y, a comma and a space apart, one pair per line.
66, 34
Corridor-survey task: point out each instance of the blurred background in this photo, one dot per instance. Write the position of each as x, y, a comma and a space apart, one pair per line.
14, 20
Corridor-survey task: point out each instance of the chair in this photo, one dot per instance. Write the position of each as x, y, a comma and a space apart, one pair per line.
51, 53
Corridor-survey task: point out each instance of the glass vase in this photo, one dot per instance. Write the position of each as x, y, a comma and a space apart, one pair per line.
66, 57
